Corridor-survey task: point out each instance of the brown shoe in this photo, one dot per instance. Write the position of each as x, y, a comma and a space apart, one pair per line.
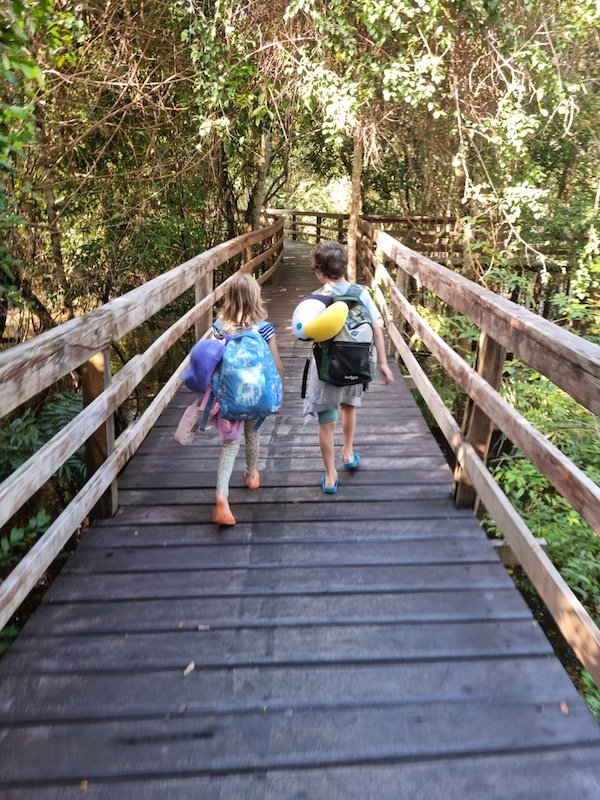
252, 479
222, 513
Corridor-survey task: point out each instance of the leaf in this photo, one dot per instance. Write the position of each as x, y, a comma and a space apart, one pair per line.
16, 535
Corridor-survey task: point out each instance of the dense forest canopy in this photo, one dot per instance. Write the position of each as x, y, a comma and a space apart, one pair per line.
133, 135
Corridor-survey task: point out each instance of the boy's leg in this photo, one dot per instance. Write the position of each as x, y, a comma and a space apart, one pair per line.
222, 513
348, 431
252, 439
327, 423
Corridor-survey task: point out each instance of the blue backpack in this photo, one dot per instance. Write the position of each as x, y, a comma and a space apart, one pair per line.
246, 383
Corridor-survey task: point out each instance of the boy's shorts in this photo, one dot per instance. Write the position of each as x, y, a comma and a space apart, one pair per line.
331, 415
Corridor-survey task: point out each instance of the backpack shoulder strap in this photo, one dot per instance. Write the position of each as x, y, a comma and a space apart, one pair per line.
354, 291
305, 379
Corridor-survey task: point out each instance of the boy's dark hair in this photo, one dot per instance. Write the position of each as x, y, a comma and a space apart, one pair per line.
330, 259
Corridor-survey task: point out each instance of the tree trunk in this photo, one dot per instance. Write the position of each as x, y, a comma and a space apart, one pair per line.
460, 182
356, 203
35, 305
3, 315
227, 193
55, 241
258, 193
51, 214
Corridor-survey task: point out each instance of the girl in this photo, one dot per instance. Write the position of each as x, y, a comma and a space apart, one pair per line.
330, 263
243, 309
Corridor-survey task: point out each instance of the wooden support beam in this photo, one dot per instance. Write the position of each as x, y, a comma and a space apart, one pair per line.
506, 553
203, 287
477, 427
95, 378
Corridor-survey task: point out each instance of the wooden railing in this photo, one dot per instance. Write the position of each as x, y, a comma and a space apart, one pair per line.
433, 236
569, 361
27, 369
311, 226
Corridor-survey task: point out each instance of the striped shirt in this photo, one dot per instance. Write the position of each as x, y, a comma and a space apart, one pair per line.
266, 330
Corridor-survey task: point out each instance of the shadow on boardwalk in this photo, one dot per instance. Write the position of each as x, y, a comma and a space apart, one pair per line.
364, 645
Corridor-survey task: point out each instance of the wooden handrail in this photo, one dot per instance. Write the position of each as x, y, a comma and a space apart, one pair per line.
36, 364
566, 359
64, 348
492, 313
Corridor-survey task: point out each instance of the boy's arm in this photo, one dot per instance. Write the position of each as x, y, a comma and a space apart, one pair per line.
379, 342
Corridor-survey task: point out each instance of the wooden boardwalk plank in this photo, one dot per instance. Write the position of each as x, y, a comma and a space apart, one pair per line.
287, 739
55, 696
366, 645
154, 559
281, 580
569, 772
130, 616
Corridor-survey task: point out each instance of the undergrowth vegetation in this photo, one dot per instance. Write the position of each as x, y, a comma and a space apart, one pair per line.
21, 438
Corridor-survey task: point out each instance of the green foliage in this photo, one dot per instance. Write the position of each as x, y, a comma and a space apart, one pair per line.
591, 693
18, 70
7, 635
54, 416
572, 544
20, 539
19, 440
24, 435
450, 327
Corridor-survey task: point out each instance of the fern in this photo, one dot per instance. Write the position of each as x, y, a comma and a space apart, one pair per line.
19, 440
24, 435
53, 418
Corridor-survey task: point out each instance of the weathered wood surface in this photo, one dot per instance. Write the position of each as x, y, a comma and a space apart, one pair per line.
364, 645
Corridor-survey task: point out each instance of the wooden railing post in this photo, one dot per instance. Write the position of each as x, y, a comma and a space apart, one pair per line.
402, 284
268, 245
340, 229
319, 222
203, 286
477, 427
294, 228
95, 378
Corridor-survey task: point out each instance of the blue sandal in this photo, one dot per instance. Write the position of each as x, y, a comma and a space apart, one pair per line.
329, 489
354, 463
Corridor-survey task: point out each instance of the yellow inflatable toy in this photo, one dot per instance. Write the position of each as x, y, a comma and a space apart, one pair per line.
317, 319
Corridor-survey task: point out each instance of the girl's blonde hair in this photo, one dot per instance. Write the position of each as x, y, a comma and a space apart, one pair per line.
242, 304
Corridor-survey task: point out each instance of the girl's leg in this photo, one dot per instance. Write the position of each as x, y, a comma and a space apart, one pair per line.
252, 439
348, 431
326, 434
222, 513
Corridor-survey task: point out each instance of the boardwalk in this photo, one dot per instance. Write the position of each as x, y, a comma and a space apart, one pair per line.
364, 645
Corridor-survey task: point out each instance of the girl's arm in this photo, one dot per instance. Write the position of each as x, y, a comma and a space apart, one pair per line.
276, 357
379, 342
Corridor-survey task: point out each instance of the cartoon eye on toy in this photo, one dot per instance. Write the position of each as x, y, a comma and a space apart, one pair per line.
318, 318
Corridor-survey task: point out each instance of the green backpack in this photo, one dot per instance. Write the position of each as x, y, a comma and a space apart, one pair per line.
347, 358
